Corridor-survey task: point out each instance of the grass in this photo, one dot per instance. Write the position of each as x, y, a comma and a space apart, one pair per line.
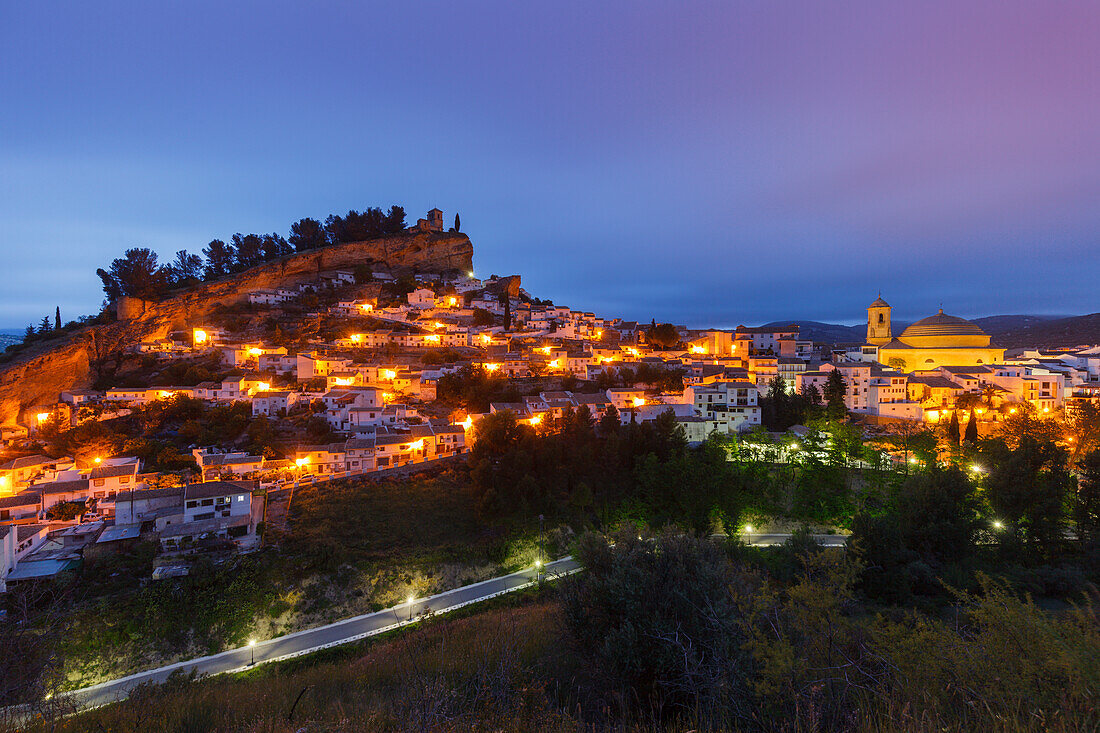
353, 547
486, 671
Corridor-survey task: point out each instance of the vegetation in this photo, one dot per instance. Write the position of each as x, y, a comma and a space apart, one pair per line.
679, 634
138, 273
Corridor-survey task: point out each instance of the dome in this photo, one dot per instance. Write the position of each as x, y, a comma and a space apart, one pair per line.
942, 324
879, 303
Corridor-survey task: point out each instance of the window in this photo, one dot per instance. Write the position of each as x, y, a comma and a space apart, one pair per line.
240, 498
98, 482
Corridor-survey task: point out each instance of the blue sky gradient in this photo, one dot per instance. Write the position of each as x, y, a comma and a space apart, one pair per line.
705, 163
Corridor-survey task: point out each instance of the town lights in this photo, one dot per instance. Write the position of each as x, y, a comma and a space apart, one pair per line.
1046, 409
975, 468
432, 338
536, 419
252, 648
912, 460
748, 529
556, 363
491, 367
367, 307
389, 374
356, 338
639, 401
263, 387
998, 524
467, 423
387, 396
698, 350
486, 338
255, 352
43, 417
302, 462
417, 445
97, 459
198, 336
452, 302
1012, 411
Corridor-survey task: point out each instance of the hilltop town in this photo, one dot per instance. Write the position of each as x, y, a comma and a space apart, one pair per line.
361, 370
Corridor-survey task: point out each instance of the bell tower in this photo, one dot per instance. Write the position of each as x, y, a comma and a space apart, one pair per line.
878, 322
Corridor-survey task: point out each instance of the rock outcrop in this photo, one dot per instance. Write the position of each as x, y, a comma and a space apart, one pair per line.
43, 371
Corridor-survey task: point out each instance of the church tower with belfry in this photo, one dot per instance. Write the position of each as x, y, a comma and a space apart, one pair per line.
878, 322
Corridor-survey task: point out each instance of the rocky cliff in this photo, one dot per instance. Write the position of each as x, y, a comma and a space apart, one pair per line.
42, 372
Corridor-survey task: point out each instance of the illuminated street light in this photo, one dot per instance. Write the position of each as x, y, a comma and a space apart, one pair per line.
976, 468
997, 524
252, 648
411, 600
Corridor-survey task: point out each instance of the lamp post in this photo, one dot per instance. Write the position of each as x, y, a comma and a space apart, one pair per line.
411, 600
252, 649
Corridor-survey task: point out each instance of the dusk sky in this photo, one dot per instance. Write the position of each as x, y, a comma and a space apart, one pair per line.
703, 163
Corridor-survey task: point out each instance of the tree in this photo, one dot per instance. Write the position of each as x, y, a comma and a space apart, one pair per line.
57, 318
662, 336
135, 274
609, 423
186, 269
219, 259
307, 234
1027, 488
953, 434
458, 223
248, 250
971, 435
274, 246
1086, 509
834, 393
44, 325
29, 334
658, 617
483, 317
395, 220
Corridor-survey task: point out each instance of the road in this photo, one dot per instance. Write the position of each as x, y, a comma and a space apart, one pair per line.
356, 628
321, 637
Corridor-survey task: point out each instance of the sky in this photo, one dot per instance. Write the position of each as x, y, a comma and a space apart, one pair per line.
708, 164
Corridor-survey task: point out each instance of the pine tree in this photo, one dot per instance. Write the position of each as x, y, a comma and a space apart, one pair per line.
953, 429
44, 326
28, 335
971, 435
458, 223
57, 318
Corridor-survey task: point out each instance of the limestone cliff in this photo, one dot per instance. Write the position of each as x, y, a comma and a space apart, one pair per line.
42, 372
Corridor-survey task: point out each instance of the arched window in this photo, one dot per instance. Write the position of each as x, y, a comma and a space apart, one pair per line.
881, 318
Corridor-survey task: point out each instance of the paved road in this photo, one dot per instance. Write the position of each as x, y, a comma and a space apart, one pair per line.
359, 627
311, 640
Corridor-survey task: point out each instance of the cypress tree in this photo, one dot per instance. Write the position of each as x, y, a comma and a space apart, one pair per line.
971, 435
57, 318
953, 428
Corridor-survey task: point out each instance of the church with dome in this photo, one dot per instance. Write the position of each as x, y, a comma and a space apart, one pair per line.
932, 342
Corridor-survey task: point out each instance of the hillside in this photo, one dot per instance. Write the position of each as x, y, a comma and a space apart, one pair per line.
1043, 331
1010, 331
74, 361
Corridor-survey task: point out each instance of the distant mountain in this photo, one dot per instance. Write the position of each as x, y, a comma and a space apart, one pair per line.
1042, 331
1010, 331
997, 325
826, 333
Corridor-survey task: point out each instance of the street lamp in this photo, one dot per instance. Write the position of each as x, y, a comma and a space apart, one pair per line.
252, 649
538, 570
998, 524
411, 600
